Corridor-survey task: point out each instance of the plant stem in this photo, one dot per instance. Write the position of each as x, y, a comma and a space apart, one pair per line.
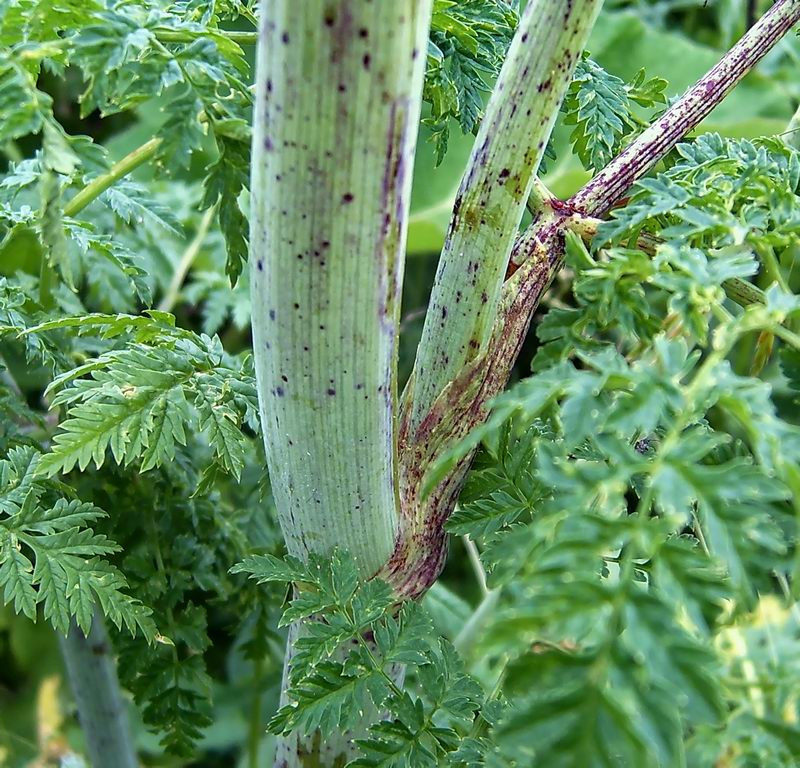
792, 133
187, 259
494, 190
241, 37
690, 110
329, 213
540, 249
93, 677
96, 187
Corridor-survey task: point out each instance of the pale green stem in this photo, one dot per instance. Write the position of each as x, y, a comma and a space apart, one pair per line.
338, 98
92, 675
96, 187
187, 259
498, 181
242, 37
337, 107
469, 632
792, 134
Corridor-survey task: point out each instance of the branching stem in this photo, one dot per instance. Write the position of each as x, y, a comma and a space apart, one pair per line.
688, 112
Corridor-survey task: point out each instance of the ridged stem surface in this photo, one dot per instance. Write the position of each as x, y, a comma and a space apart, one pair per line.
337, 111
494, 190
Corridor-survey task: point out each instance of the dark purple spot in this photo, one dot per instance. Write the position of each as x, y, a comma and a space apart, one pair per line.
272, 314
331, 392
366, 60
260, 265
347, 197
285, 38
363, 32
279, 391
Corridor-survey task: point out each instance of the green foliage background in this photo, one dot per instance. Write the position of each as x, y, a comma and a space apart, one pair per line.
165, 491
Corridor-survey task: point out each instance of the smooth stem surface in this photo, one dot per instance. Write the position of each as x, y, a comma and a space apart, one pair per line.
97, 186
495, 189
92, 675
338, 96
690, 110
187, 259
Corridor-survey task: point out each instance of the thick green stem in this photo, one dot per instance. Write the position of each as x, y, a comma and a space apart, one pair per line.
338, 95
494, 191
92, 675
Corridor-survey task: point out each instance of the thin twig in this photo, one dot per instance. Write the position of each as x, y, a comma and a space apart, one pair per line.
688, 112
466, 637
186, 261
97, 186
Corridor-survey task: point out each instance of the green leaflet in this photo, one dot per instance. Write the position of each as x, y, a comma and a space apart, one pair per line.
139, 401
49, 554
343, 663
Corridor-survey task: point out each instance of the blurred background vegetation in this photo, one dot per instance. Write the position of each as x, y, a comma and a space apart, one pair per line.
674, 39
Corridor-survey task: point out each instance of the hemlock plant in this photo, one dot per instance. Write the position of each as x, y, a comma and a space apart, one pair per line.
629, 508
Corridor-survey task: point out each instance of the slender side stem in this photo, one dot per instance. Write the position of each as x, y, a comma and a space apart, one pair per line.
97, 186
695, 105
466, 636
792, 133
93, 677
338, 97
494, 190
186, 261
241, 37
